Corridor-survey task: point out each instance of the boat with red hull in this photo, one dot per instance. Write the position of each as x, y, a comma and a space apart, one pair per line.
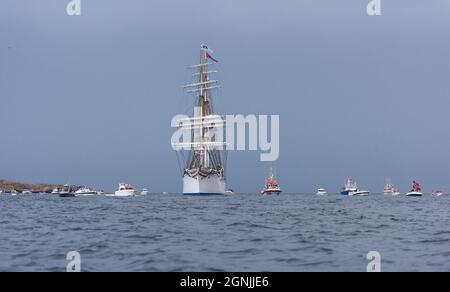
271, 187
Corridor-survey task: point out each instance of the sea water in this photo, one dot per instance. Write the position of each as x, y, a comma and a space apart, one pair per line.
242, 232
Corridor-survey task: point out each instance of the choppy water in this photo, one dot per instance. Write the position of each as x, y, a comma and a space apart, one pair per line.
237, 233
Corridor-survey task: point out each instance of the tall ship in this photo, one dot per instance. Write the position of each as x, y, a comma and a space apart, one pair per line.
203, 157
271, 187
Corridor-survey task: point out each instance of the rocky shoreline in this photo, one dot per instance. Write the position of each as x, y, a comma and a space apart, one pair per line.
8, 186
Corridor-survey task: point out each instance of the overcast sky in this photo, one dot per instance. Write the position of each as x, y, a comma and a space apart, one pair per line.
89, 99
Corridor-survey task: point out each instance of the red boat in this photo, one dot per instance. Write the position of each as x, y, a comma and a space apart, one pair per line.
272, 187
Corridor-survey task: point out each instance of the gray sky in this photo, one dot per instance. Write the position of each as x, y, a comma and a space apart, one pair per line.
89, 99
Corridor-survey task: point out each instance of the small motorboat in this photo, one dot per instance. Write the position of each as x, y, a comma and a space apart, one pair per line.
321, 192
271, 187
67, 192
360, 193
351, 189
125, 190
26, 192
84, 191
145, 192
414, 194
390, 189
437, 193
349, 186
416, 190
14, 193
229, 192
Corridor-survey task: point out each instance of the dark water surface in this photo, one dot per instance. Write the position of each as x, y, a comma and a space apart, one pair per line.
237, 233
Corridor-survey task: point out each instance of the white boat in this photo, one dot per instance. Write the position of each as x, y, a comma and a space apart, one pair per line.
55, 191
14, 193
145, 192
351, 189
321, 192
390, 189
125, 190
26, 192
84, 191
202, 158
437, 193
229, 192
414, 194
360, 193
416, 190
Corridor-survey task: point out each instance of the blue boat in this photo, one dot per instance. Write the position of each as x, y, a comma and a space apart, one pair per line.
351, 189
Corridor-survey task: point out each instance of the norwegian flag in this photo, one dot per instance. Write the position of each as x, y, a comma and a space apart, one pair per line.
209, 53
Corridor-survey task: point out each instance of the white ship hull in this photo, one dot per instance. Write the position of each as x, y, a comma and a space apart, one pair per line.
414, 194
198, 186
125, 193
359, 193
85, 194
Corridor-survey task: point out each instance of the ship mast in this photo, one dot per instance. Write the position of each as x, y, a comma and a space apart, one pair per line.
205, 109
271, 174
204, 157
